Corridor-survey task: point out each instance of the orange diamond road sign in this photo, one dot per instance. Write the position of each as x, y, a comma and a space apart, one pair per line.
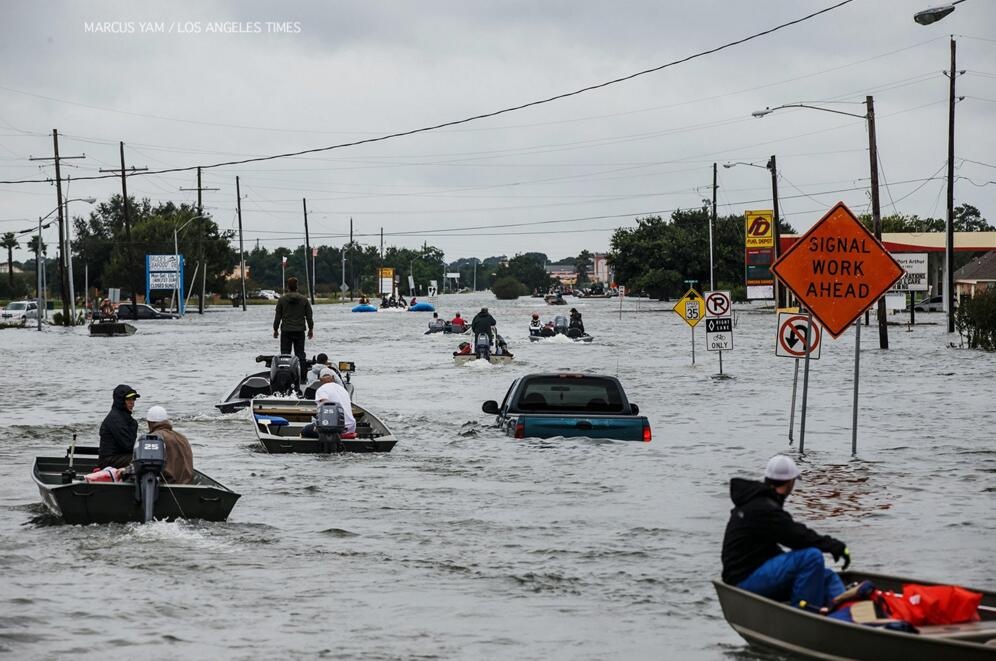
838, 269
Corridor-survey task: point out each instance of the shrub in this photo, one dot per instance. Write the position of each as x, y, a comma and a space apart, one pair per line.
508, 289
975, 320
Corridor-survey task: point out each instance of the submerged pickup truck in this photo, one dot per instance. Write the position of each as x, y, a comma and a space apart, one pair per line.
563, 404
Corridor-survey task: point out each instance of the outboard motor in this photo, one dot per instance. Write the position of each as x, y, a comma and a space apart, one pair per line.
285, 374
148, 458
330, 423
482, 346
560, 324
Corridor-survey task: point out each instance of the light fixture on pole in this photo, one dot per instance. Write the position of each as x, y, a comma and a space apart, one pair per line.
934, 14
176, 264
777, 291
869, 117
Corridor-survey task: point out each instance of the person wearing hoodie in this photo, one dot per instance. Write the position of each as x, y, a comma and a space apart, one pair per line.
292, 313
759, 527
118, 430
483, 322
179, 468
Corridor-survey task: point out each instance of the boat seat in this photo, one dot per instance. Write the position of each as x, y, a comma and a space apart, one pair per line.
271, 420
983, 629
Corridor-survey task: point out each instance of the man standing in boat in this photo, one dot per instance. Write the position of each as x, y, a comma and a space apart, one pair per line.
483, 323
292, 313
118, 430
753, 559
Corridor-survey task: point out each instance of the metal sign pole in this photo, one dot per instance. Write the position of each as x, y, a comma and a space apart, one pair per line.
805, 384
693, 345
795, 387
720, 359
857, 362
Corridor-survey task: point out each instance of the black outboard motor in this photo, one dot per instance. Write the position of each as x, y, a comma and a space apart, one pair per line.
330, 423
285, 375
560, 324
149, 458
482, 346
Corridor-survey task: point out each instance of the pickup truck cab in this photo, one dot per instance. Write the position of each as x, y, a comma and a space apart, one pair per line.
567, 404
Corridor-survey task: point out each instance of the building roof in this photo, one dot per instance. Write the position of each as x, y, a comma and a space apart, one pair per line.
980, 268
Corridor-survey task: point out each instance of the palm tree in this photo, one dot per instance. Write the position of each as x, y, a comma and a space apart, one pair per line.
9, 241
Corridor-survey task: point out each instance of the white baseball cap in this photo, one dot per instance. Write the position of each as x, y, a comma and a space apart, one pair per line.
326, 372
156, 414
781, 468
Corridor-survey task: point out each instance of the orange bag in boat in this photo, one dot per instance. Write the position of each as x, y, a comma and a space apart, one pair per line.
931, 604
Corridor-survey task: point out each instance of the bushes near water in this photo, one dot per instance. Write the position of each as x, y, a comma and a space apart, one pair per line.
508, 288
976, 320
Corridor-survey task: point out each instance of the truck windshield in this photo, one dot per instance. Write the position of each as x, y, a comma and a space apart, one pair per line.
556, 394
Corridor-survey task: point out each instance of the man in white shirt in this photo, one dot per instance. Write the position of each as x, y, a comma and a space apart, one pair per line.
330, 391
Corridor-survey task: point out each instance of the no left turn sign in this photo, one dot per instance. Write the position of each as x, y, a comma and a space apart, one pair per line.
794, 334
718, 303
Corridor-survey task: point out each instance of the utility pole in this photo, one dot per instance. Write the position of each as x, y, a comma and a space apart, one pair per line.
129, 250
308, 276
242, 254
352, 264
63, 244
712, 222
883, 329
200, 214
949, 243
382, 244
773, 167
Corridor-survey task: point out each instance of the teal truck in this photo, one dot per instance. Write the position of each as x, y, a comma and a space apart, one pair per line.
566, 404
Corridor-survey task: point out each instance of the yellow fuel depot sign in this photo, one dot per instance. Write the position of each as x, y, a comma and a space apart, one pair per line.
760, 229
691, 308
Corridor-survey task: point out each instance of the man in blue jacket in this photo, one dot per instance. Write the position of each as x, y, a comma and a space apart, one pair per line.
759, 527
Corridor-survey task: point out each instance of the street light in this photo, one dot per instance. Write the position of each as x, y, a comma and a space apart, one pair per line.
869, 116
39, 265
777, 292
176, 263
69, 254
934, 14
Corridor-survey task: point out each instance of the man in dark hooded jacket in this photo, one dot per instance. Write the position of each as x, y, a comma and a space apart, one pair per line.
119, 430
483, 322
753, 559
289, 319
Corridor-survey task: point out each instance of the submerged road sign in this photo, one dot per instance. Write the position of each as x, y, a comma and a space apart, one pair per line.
691, 308
719, 333
838, 269
718, 304
794, 333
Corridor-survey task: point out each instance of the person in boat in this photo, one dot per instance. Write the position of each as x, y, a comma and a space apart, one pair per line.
535, 325
118, 430
759, 527
576, 320
292, 314
402, 303
330, 391
107, 312
465, 349
179, 468
501, 347
436, 324
458, 323
548, 330
483, 322
384, 303
315, 373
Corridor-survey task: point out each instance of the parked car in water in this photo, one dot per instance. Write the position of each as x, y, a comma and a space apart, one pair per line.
20, 311
263, 294
141, 312
932, 304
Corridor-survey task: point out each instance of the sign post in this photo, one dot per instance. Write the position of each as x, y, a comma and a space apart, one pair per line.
691, 308
915, 279
719, 324
797, 338
622, 294
759, 243
838, 269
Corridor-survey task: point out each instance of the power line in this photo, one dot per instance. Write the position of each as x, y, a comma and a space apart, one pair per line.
493, 113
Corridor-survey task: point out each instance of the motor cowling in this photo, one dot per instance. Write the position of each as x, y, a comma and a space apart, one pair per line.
149, 455
482, 345
285, 374
330, 418
560, 324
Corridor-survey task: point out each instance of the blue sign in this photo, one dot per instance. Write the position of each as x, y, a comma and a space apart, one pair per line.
164, 273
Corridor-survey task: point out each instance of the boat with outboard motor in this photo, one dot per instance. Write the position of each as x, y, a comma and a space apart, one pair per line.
107, 328
282, 377
483, 349
279, 423
773, 625
584, 337
68, 496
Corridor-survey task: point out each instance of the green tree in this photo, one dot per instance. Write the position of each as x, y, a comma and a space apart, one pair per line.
583, 265
9, 241
528, 270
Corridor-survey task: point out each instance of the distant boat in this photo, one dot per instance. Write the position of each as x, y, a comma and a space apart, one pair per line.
111, 328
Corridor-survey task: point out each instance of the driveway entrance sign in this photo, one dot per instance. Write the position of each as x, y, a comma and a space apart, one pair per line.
838, 269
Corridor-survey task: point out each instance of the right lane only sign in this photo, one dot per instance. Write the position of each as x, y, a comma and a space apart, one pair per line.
719, 333
794, 334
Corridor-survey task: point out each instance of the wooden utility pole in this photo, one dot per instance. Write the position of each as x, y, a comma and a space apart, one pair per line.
64, 248
712, 223
949, 243
129, 249
242, 254
773, 167
352, 260
308, 276
883, 329
201, 261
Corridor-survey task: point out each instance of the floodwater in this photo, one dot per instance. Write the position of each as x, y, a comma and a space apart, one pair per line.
461, 543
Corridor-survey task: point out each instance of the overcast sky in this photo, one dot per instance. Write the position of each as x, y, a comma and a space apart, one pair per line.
301, 75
